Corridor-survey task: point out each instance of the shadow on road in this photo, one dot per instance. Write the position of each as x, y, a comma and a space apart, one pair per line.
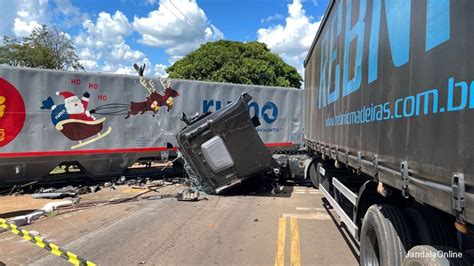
7, 215
351, 242
261, 187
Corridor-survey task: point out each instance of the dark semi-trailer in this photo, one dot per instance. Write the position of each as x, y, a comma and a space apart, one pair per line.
389, 120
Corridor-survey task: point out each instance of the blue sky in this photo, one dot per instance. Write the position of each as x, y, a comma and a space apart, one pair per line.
111, 35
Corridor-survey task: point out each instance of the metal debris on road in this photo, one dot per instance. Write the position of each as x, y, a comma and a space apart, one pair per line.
94, 189
121, 180
188, 195
153, 197
139, 187
48, 208
52, 193
18, 189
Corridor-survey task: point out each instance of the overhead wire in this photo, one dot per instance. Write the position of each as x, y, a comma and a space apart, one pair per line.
183, 21
187, 18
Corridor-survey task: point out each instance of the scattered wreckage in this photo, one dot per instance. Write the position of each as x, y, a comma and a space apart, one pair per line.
74, 197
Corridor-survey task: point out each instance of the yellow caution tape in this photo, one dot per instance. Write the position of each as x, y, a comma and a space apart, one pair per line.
43, 243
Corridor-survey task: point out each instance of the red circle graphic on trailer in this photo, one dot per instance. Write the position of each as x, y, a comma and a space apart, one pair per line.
12, 112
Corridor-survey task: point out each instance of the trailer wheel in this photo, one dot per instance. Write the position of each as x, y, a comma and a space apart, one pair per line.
436, 256
313, 173
429, 228
384, 236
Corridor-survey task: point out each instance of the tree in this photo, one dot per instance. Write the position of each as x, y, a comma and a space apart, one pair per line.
236, 62
43, 48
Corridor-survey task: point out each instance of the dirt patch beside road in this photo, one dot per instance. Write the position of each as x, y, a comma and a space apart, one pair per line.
11, 206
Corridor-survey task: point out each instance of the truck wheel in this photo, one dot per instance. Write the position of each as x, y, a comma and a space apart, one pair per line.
436, 256
384, 237
429, 228
313, 173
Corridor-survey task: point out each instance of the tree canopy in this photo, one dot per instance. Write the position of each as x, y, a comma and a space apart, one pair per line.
43, 48
236, 62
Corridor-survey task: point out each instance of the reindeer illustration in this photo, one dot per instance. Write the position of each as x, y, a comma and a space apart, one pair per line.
154, 100
170, 94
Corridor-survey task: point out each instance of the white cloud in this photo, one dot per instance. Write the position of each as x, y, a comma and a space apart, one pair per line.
293, 39
67, 8
102, 42
68, 14
23, 28
277, 16
122, 51
89, 64
160, 71
178, 26
127, 69
151, 2
102, 45
108, 29
119, 69
19, 17
86, 53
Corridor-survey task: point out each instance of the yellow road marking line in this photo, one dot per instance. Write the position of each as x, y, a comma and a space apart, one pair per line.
280, 252
295, 255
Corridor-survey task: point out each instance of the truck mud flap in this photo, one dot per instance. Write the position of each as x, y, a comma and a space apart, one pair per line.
223, 149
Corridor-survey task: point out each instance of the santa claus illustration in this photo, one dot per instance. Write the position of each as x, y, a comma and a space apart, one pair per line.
74, 121
73, 107
77, 109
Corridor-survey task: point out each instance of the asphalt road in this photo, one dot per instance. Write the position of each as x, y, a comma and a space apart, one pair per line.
288, 229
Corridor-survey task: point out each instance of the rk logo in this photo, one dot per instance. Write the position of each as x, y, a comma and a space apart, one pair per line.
2, 112
2, 106
12, 112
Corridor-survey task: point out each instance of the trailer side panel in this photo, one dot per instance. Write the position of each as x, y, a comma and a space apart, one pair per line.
394, 81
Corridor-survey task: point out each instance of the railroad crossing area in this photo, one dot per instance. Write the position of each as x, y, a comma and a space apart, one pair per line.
294, 227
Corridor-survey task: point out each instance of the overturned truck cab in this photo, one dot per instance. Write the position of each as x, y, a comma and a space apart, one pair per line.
223, 149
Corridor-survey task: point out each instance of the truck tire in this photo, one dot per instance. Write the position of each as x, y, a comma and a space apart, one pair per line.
429, 228
314, 174
430, 256
384, 238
